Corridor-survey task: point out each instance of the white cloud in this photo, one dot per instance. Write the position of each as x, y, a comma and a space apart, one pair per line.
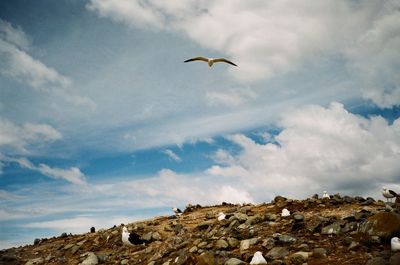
17, 138
17, 63
81, 224
21, 66
375, 57
15, 36
172, 155
72, 175
318, 149
230, 98
275, 37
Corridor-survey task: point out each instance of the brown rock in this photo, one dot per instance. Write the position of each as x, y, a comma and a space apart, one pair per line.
382, 224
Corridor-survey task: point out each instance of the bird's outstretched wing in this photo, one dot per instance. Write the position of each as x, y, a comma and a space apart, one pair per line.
224, 60
393, 193
196, 59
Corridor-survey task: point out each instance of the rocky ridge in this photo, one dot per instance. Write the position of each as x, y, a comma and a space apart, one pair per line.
335, 230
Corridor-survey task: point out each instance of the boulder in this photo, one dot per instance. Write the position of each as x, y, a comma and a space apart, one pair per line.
382, 224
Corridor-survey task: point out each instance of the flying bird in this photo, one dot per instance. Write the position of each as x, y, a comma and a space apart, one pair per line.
131, 239
210, 61
388, 194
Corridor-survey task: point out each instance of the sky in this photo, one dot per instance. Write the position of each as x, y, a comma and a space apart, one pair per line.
102, 123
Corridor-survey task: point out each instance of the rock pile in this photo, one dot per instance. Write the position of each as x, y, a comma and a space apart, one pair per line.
335, 230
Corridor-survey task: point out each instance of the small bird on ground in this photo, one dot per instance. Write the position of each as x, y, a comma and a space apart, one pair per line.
177, 211
388, 194
131, 239
285, 212
395, 244
325, 195
210, 61
221, 216
258, 258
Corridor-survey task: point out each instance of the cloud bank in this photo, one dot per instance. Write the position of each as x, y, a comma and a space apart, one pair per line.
270, 39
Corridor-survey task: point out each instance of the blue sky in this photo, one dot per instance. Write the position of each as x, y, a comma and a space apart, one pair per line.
102, 123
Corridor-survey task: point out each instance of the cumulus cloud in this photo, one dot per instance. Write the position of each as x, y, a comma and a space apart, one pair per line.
172, 155
17, 138
375, 58
318, 149
275, 37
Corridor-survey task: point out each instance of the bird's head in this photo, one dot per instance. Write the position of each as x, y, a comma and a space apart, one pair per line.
124, 229
384, 189
395, 240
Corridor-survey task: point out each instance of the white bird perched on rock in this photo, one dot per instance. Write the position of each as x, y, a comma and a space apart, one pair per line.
285, 212
210, 61
388, 194
395, 244
221, 216
258, 258
177, 211
325, 195
130, 239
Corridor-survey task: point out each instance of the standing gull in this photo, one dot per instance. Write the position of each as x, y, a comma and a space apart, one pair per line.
177, 211
325, 195
388, 194
395, 244
210, 61
130, 239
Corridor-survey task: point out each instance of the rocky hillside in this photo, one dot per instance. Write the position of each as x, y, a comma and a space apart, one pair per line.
339, 230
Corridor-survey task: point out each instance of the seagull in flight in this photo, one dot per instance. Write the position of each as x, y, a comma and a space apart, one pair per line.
210, 61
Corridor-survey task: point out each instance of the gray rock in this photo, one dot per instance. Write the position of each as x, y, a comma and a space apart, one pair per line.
233, 242
280, 199
207, 258
91, 259
124, 261
147, 236
193, 249
35, 261
221, 244
252, 220
245, 244
296, 259
395, 259
234, 261
319, 253
382, 224
332, 229
286, 239
268, 243
277, 253
203, 225
271, 217
377, 261
74, 249
241, 217
156, 236
298, 217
